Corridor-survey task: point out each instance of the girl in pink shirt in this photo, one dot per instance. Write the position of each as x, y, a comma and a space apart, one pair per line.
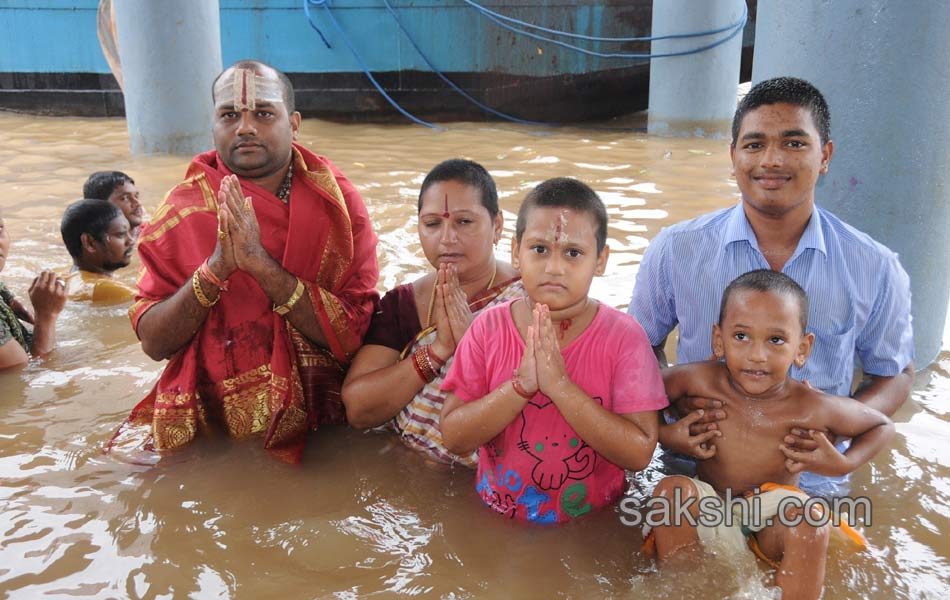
557, 392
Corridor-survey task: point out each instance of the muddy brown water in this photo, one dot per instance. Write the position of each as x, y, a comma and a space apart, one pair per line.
362, 516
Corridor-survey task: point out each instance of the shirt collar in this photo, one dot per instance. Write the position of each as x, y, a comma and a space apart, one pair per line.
738, 229
812, 237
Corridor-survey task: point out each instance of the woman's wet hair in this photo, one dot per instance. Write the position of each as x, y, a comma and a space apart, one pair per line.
565, 192
788, 90
767, 280
90, 216
464, 171
101, 184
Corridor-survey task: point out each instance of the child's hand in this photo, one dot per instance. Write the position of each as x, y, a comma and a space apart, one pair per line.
677, 437
824, 459
552, 374
22, 311
527, 373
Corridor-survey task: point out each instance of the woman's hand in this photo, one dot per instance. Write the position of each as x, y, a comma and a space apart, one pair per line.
456, 303
48, 295
445, 342
22, 311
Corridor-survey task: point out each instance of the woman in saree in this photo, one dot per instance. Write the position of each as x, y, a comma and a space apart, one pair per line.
394, 379
48, 297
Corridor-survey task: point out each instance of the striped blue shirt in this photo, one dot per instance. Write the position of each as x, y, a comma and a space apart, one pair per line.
858, 294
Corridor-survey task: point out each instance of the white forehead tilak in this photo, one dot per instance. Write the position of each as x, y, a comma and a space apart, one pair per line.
557, 232
244, 88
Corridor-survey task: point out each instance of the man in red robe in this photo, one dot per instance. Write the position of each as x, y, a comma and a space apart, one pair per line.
258, 279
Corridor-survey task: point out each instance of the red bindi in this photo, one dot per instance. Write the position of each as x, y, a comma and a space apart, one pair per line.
445, 215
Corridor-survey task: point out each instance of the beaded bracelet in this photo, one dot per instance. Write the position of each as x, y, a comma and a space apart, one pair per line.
199, 293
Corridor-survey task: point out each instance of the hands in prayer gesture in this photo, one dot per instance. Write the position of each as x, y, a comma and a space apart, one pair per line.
542, 365
451, 311
239, 234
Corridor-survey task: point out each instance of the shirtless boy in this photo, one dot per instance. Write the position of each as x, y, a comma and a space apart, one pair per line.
760, 334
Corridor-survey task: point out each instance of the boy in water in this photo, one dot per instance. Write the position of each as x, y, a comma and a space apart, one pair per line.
557, 392
760, 334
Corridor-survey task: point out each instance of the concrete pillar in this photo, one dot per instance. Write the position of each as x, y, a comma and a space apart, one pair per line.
694, 94
170, 53
883, 68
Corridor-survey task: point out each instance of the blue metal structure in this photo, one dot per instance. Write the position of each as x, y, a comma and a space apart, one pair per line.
883, 68
507, 70
169, 49
694, 94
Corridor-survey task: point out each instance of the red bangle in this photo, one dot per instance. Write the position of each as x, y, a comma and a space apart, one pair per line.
519, 389
434, 358
415, 364
420, 359
205, 271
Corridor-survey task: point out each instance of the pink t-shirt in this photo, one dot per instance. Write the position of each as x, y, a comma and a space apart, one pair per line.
538, 469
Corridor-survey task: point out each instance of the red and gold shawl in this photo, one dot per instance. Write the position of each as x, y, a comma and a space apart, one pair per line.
247, 369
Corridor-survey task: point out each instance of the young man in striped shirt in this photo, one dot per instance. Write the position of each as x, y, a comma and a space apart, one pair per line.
860, 293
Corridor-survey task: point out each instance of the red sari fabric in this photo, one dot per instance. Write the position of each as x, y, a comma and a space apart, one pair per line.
247, 369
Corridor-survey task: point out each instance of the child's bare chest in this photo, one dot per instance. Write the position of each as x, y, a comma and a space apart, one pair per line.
747, 453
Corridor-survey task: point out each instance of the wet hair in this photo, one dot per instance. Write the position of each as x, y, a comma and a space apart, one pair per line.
90, 216
464, 171
565, 192
767, 280
790, 90
101, 184
287, 88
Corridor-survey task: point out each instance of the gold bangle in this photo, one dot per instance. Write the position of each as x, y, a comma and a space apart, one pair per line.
285, 308
199, 293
